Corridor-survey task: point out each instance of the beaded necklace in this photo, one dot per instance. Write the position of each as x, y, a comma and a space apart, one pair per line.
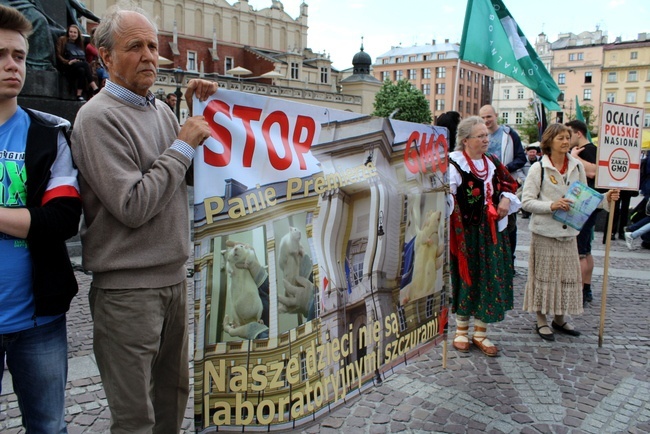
481, 174
565, 166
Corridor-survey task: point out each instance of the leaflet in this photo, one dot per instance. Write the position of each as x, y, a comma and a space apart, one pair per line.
585, 202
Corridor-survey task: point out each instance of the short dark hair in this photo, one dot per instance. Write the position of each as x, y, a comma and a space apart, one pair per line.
450, 120
577, 125
12, 19
170, 94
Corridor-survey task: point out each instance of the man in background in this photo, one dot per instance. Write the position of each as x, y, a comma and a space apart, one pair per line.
39, 209
587, 153
533, 155
170, 100
506, 145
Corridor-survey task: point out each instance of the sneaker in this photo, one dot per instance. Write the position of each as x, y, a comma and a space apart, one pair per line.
629, 241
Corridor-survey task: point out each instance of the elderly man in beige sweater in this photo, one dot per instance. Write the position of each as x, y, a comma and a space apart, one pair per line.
133, 159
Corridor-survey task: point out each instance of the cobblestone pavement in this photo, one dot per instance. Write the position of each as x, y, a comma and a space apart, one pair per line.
533, 386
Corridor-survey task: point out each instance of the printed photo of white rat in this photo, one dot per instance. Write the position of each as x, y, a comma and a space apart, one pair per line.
242, 290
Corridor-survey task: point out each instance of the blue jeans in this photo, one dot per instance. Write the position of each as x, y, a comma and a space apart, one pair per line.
38, 361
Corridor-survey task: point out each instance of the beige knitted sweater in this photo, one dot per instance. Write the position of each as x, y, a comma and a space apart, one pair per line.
136, 224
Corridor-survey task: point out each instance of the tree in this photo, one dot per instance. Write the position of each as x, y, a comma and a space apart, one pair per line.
411, 104
529, 130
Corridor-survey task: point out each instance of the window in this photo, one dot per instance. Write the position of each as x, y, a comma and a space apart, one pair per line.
402, 318
611, 96
440, 88
229, 63
441, 72
476, 92
561, 78
426, 73
475, 78
611, 77
504, 116
425, 57
633, 55
631, 76
646, 121
385, 75
399, 75
581, 56
572, 56
412, 58
630, 97
442, 56
461, 88
324, 74
412, 74
519, 118
356, 273
520, 93
294, 71
426, 89
506, 93
303, 366
469, 75
469, 92
440, 104
460, 106
385, 61
647, 96
398, 60
468, 106
429, 306
191, 60
586, 95
588, 77
462, 73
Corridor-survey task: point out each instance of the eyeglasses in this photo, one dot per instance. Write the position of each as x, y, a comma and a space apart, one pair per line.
482, 136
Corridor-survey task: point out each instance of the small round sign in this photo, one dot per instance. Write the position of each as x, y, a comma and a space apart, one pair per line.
618, 164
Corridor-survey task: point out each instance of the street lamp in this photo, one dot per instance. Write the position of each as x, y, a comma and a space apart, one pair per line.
160, 93
178, 77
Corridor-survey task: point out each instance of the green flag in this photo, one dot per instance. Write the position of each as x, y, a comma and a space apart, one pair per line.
492, 37
581, 117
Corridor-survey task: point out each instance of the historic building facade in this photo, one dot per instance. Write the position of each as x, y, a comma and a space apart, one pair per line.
214, 39
435, 69
626, 74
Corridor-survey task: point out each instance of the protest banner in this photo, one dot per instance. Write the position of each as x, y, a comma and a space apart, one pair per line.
619, 157
319, 243
619, 147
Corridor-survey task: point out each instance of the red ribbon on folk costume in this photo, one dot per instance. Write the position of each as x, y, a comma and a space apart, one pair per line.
457, 246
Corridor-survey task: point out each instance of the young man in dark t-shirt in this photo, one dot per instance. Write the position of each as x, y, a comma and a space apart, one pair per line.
586, 152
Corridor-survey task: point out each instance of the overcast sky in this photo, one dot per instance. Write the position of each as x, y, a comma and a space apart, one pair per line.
336, 26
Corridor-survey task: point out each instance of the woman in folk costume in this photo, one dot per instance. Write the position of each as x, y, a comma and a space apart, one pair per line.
554, 283
481, 267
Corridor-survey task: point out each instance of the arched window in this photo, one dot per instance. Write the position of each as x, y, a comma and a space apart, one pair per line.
198, 22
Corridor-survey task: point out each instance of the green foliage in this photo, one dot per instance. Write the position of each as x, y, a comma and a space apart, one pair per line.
412, 104
528, 130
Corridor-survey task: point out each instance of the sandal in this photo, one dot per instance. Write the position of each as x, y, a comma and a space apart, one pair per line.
562, 329
545, 336
461, 341
483, 343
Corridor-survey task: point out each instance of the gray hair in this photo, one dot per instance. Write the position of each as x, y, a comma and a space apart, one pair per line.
465, 130
112, 24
